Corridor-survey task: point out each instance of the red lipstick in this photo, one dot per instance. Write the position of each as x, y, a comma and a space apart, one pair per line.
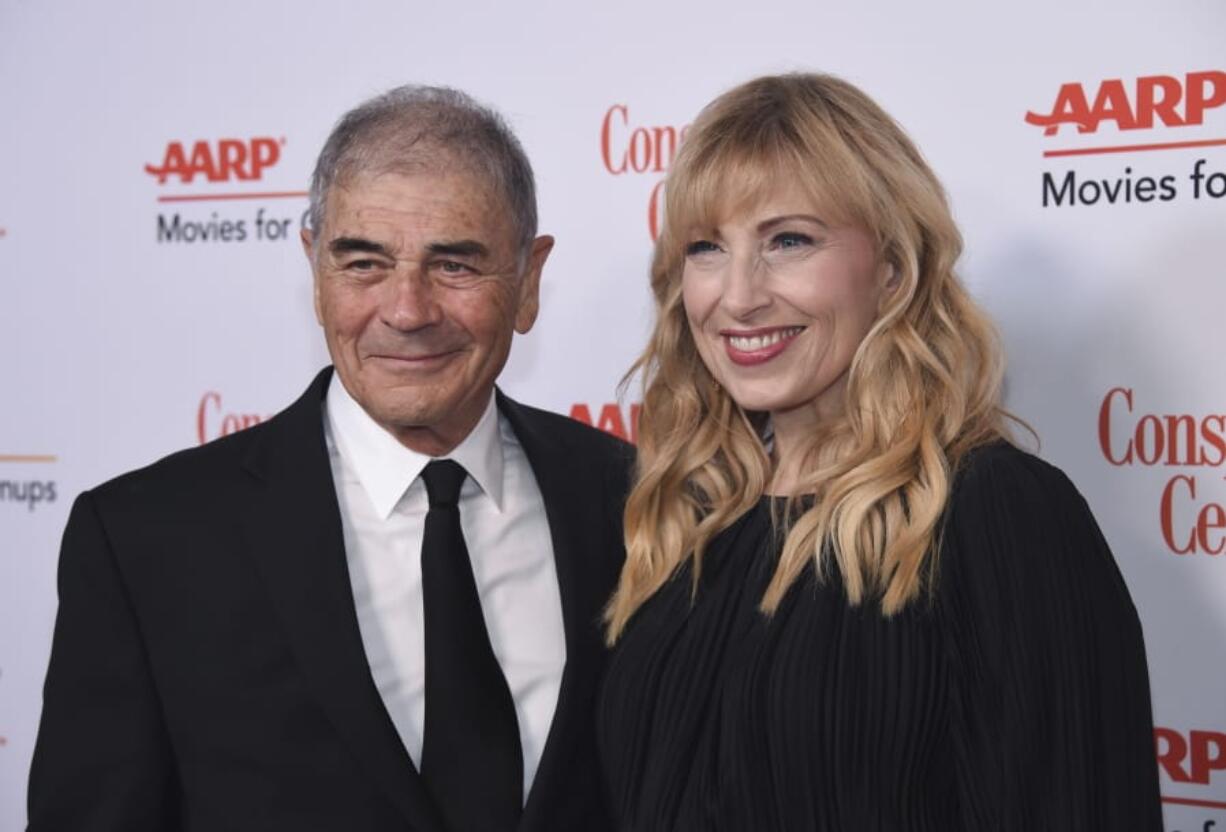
748, 347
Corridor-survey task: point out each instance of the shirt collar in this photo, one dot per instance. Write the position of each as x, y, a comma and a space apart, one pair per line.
386, 468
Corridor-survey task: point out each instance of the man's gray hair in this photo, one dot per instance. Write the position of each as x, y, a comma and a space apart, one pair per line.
413, 128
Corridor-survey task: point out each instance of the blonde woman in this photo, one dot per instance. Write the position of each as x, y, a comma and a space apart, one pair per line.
850, 603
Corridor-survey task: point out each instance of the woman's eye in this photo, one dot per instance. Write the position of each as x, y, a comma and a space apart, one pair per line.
791, 240
700, 247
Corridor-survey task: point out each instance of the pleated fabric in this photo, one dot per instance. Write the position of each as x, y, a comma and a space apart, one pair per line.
1015, 698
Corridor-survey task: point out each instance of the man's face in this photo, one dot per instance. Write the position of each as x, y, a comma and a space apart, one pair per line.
418, 290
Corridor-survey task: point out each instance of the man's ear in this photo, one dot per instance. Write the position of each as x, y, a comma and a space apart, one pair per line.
530, 284
308, 248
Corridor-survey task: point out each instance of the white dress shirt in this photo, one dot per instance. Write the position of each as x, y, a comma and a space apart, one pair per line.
383, 509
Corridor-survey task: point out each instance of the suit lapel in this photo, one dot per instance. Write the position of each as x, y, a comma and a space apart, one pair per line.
294, 530
572, 501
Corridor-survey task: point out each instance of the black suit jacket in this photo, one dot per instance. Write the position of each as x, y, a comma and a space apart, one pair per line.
207, 672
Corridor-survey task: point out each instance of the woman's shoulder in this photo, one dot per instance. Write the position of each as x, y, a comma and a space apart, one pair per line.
1016, 521
1000, 482
1002, 462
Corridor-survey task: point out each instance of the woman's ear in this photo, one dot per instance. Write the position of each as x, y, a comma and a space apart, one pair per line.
890, 276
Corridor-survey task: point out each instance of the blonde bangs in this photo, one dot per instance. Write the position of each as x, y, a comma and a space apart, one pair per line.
729, 164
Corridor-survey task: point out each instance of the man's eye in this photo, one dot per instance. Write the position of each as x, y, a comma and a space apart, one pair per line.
699, 247
454, 269
791, 240
361, 265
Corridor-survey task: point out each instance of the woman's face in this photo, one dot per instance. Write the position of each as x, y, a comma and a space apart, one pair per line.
778, 299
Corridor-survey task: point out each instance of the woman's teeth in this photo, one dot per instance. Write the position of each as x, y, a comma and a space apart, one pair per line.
754, 343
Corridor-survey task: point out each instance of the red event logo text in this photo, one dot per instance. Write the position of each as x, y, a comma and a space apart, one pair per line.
1153, 98
611, 419
1128, 438
637, 149
219, 161
1190, 758
214, 422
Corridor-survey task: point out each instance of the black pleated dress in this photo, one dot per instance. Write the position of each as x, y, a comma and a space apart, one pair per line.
1016, 699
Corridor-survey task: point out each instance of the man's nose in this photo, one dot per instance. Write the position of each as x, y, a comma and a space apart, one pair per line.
410, 299
745, 290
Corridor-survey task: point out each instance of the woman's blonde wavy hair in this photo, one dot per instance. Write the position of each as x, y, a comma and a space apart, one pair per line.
923, 387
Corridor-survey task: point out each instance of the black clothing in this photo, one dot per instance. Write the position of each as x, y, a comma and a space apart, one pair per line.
207, 672
1016, 698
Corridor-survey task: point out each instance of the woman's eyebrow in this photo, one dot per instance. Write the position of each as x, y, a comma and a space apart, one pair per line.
767, 225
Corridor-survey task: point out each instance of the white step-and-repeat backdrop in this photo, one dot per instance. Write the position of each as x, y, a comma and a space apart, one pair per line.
153, 294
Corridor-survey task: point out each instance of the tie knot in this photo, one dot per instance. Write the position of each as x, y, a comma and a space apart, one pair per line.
443, 478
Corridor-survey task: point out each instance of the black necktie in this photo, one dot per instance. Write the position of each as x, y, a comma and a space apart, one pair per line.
471, 758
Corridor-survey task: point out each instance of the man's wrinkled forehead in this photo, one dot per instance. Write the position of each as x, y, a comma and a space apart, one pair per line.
411, 195
373, 156
418, 214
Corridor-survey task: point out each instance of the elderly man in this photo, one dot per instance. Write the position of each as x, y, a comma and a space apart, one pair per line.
380, 609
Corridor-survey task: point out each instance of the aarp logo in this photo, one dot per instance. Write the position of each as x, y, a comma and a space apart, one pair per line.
1137, 104
220, 160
